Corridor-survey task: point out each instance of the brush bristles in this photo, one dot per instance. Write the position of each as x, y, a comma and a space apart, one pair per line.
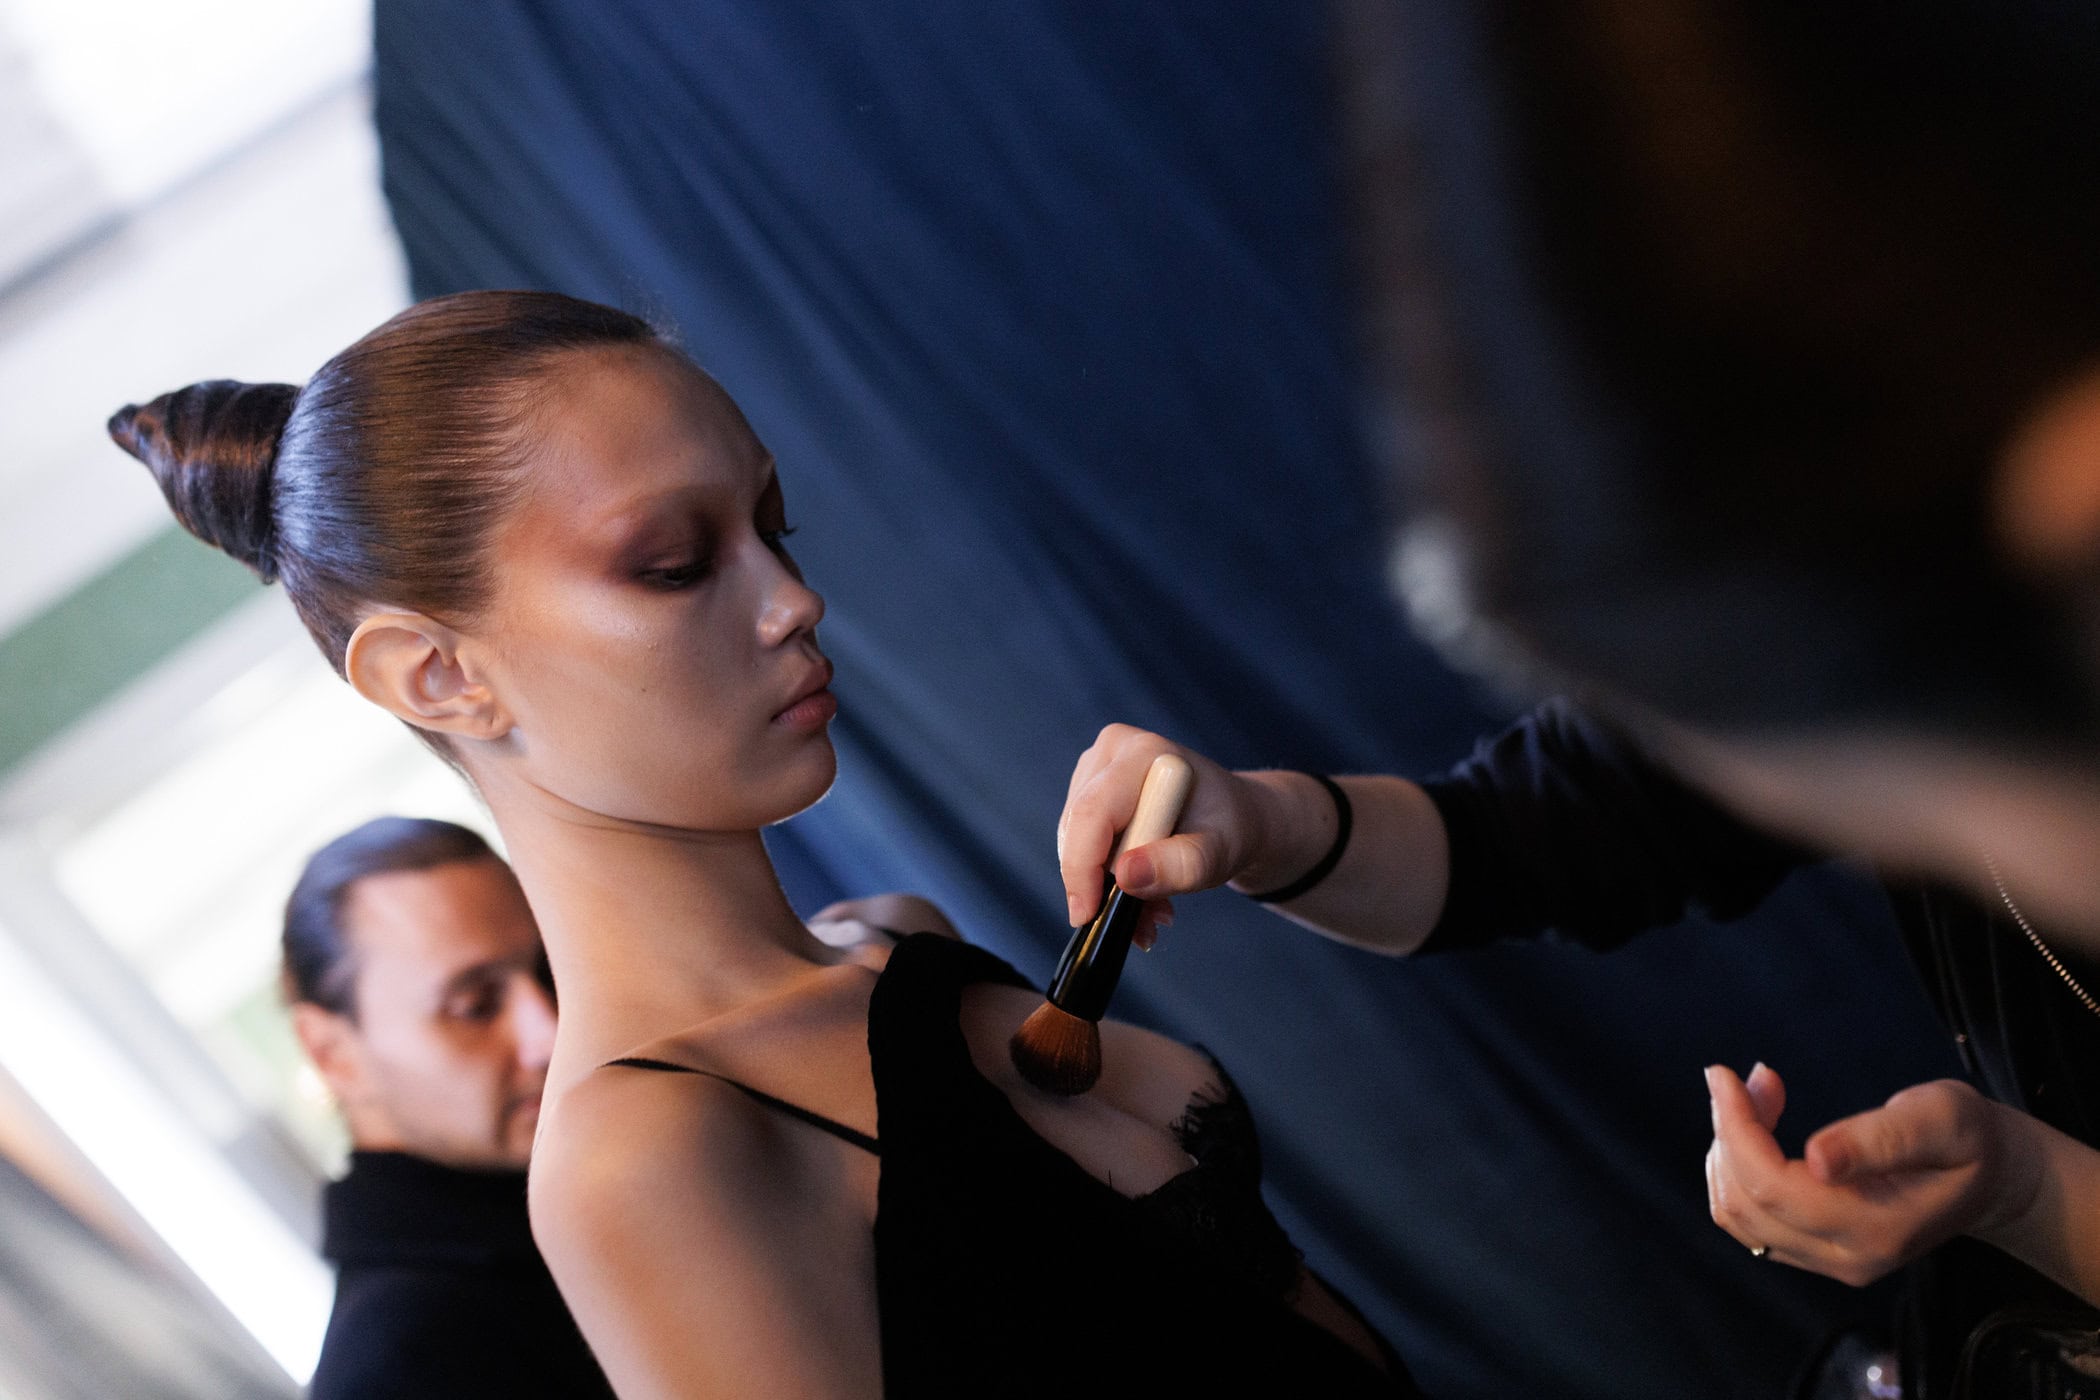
1057, 1052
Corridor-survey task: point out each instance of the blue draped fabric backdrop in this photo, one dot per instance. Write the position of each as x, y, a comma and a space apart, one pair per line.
1043, 308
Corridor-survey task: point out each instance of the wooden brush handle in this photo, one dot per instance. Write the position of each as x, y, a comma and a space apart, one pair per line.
1093, 962
1159, 804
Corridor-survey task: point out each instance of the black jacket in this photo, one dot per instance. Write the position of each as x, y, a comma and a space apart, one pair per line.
1562, 825
440, 1292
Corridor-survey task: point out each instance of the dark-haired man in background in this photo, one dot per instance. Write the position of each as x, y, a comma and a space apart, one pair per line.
419, 989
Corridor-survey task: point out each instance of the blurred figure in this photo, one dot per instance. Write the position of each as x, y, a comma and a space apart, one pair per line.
420, 991
1742, 363
1745, 360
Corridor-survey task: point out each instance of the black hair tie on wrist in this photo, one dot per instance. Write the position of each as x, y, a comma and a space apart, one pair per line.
1344, 819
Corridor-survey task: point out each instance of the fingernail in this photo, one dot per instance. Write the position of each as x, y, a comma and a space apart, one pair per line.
1138, 873
1710, 1072
1760, 1065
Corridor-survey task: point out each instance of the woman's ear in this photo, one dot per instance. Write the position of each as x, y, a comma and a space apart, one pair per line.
410, 666
2048, 489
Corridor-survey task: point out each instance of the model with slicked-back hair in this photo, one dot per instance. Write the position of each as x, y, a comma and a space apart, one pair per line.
380, 478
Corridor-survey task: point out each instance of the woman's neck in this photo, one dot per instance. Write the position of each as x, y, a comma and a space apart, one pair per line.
649, 930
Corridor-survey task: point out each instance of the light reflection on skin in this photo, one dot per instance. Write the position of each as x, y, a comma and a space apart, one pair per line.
628, 578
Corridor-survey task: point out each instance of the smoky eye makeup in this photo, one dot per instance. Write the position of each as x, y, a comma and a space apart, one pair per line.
670, 574
674, 576
668, 555
769, 518
676, 547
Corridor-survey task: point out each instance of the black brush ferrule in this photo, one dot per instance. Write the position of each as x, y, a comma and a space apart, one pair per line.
1087, 974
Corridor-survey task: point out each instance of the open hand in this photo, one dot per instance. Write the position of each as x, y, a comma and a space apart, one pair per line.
1871, 1192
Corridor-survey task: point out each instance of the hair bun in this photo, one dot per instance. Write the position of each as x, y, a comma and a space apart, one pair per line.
213, 449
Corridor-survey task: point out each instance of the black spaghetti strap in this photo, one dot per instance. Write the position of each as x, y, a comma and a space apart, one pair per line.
816, 1120
644, 1062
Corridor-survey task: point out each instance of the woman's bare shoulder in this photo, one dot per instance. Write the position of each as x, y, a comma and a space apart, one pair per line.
619, 1144
697, 1251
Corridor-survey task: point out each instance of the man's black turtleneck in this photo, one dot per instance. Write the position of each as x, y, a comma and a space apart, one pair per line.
440, 1291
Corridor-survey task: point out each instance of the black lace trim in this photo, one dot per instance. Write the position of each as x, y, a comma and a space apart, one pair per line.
1216, 1206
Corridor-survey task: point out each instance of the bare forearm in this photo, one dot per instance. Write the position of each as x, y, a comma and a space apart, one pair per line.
2057, 1231
1388, 891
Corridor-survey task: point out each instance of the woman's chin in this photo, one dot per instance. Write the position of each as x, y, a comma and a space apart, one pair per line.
701, 796
823, 774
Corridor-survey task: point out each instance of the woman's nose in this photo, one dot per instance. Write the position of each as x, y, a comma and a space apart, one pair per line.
791, 607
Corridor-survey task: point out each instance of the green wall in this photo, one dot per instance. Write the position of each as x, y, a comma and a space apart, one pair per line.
89, 645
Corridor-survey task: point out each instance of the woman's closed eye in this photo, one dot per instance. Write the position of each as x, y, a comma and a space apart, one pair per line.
670, 578
674, 577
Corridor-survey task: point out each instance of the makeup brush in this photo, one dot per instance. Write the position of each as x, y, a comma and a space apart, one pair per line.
1058, 1048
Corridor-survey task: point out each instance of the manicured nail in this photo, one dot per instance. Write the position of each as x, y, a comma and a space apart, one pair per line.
1760, 1065
1138, 873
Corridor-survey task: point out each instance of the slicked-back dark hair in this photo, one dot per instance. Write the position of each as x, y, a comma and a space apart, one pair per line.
378, 482
320, 966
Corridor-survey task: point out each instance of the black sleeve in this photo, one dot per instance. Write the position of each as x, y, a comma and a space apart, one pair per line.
433, 1334
1560, 824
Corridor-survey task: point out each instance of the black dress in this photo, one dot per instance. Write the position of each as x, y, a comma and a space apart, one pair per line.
1561, 824
440, 1292
1003, 1268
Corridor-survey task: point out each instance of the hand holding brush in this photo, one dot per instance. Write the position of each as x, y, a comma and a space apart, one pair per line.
1058, 1048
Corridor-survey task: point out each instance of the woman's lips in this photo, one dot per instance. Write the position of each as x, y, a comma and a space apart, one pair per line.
812, 711
816, 705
